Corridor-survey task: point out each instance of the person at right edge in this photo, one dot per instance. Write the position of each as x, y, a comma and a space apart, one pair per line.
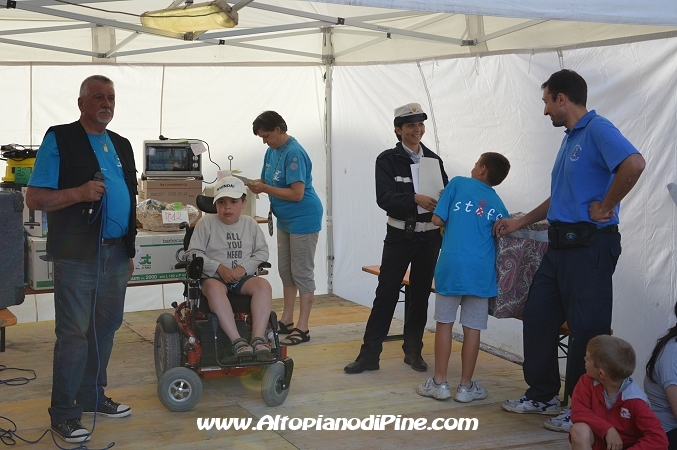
594, 170
411, 237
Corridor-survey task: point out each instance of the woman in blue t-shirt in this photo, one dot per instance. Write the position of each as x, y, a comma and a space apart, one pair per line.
286, 178
660, 383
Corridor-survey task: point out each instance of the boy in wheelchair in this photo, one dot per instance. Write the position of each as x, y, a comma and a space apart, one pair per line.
232, 247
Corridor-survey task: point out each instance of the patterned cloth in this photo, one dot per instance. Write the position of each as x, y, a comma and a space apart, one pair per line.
518, 256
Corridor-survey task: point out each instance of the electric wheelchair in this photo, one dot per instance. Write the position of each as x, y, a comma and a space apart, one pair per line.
190, 344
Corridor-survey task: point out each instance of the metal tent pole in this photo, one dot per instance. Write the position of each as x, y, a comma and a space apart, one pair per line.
328, 59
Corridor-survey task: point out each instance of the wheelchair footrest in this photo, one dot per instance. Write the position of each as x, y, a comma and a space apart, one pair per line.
235, 360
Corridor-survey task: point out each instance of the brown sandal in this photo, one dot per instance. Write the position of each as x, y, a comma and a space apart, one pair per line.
242, 348
260, 346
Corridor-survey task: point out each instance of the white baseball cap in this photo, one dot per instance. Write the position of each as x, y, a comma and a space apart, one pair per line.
411, 112
229, 187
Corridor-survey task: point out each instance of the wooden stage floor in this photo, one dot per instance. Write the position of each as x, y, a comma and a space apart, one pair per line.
319, 387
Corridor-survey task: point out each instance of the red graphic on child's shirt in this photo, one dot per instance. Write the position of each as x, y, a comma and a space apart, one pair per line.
480, 208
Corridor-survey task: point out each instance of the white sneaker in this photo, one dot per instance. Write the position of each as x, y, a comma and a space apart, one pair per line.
474, 392
525, 406
560, 423
431, 389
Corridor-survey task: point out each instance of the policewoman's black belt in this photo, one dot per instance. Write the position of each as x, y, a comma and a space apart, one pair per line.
418, 226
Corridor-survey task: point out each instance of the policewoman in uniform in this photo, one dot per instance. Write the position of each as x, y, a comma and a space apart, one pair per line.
411, 238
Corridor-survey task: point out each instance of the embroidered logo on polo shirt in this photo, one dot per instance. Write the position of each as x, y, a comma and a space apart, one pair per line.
625, 413
574, 154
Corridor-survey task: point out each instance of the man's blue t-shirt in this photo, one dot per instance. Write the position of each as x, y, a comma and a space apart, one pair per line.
467, 260
46, 175
282, 167
585, 168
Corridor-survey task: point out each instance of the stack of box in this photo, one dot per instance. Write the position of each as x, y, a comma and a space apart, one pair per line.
170, 190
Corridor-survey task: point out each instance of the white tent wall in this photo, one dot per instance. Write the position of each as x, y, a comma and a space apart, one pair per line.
494, 104
15, 112
216, 104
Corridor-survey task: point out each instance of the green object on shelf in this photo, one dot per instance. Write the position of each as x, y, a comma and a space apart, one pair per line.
22, 175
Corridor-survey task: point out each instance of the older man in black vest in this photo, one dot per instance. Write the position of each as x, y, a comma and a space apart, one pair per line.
85, 179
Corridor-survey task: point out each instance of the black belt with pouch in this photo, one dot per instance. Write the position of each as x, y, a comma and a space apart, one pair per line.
573, 235
409, 227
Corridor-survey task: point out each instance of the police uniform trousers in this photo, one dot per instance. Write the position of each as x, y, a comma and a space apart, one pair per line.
398, 252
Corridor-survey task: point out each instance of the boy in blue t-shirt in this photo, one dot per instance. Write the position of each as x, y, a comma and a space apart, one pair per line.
465, 273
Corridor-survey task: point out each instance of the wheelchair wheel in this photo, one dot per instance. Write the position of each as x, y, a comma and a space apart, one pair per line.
167, 349
179, 389
271, 392
258, 375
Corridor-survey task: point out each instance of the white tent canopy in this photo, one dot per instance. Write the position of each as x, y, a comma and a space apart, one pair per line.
481, 96
301, 32
653, 12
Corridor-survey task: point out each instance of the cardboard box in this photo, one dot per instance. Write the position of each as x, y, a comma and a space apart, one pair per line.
156, 255
40, 273
170, 190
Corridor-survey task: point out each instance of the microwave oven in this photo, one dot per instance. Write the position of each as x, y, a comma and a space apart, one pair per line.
170, 159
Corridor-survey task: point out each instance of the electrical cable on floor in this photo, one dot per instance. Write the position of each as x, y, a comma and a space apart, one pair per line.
9, 437
17, 381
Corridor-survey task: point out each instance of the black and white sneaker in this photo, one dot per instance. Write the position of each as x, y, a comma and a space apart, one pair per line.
111, 409
525, 406
71, 431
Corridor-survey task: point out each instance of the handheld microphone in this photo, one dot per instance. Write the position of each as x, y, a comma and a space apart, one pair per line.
97, 177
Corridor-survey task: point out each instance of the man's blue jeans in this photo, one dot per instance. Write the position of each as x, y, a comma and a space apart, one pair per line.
81, 308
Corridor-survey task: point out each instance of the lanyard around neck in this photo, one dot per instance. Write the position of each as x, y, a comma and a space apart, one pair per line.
282, 150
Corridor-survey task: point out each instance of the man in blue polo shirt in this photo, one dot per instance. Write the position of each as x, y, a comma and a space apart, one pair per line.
595, 169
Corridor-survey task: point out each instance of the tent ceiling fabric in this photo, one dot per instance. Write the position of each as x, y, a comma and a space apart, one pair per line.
275, 32
654, 12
